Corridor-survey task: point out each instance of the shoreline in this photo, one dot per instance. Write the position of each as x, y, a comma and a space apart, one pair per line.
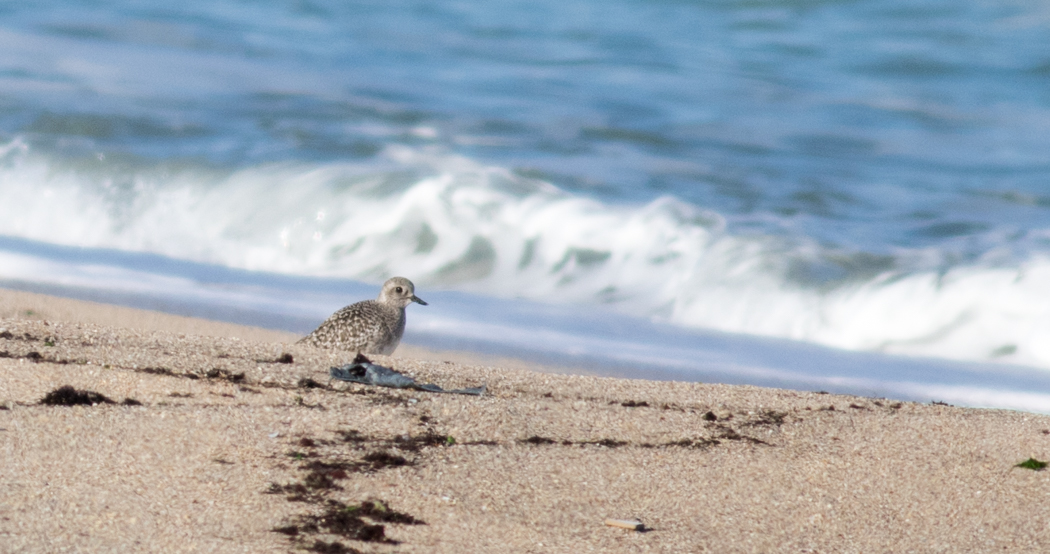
229, 449
14, 303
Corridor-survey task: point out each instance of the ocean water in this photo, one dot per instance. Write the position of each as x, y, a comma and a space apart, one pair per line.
832, 195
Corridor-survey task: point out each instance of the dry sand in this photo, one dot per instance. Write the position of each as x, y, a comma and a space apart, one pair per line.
230, 442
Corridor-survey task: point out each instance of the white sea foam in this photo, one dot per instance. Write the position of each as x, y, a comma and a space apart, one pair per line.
449, 222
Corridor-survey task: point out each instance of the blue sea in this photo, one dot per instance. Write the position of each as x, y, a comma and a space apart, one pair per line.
820, 195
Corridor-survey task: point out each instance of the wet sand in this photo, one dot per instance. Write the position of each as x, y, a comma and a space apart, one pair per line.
223, 438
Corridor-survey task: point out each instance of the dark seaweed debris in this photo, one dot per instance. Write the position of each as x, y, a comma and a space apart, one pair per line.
334, 547
380, 460
68, 396
377, 510
364, 522
418, 442
535, 439
727, 433
285, 358
350, 521
308, 383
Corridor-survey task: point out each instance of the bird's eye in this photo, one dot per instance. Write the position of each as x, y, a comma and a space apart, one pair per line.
399, 290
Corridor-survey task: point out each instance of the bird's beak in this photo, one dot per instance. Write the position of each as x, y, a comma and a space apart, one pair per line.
418, 299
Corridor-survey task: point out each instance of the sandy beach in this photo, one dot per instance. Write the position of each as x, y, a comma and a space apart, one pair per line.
223, 438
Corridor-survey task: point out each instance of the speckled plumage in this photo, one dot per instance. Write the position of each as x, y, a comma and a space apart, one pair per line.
371, 326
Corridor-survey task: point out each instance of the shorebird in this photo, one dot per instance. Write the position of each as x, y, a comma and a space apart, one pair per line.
371, 326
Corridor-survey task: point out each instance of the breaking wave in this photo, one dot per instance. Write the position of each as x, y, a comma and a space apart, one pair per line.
449, 222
